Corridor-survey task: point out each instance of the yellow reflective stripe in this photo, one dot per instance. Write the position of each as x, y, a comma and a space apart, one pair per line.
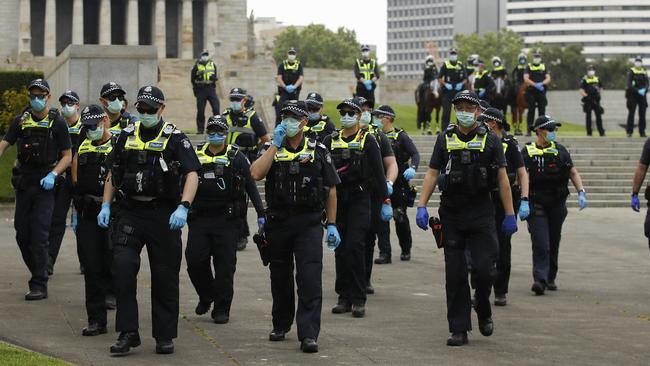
285, 155
76, 128
450, 66
339, 143
208, 70
204, 158
367, 69
639, 70
505, 147
533, 150
454, 143
540, 67
30, 123
393, 134
592, 80
499, 68
235, 131
480, 74
88, 147
288, 66
134, 142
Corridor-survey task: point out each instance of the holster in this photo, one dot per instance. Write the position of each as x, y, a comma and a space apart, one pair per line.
436, 228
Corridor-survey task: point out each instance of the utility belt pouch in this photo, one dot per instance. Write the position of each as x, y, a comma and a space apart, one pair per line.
294, 167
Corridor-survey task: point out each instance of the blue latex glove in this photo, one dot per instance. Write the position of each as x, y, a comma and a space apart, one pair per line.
582, 200
539, 86
448, 86
48, 182
389, 188
642, 91
290, 88
386, 212
422, 218
104, 215
278, 134
409, 174
73, 222
509, 225
459, 86
368, 84
524, 210
635, 203
178, 219
481, 94
333, 237
260, 223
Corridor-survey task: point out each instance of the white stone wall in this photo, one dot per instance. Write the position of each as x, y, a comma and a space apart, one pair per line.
231, 28
9, 30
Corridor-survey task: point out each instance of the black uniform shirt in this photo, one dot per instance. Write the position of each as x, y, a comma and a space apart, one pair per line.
385, 146
645, 155
290, 76
590, 88
531, 164
327, 130
536, 76
406, 144
453, 76
513, 156
430, 74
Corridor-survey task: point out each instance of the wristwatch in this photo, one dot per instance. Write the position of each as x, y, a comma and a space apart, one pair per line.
185, 204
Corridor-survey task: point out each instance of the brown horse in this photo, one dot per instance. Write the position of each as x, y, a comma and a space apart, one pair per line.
518, 105
427, 98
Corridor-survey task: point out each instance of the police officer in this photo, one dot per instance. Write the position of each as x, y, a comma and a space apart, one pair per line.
472, 163
430, 70
637, 88
408, 159
204, 85
89, 174
289, 79
549, 167
63, 192
429, 85
300, 182
146, 165
366, 71
591, 90
214, 223
358, 161
498, 70
452, 77
536, 78
483, 83
470, 70
247, 131
42, 138
518, 82
518, 179
113, 98
318, 125
639, 176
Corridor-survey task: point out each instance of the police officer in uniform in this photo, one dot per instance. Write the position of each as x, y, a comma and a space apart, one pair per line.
318, 125
470, 70
498, 70
408, 159
248, 132
366, 71
637, 88
518, 81
468, 163
452, 77
549, 167
214, 222
146, 165
204, 85
113, 98
358, 161
89, 174
430, 70
518, 179
639, 176
483, 83
591, 90
536, 78
63, 191
41, 136
289, 79
300, 182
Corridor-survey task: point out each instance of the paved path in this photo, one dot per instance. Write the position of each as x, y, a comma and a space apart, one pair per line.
600, 315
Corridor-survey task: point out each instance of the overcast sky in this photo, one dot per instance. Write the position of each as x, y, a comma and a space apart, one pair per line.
366, 17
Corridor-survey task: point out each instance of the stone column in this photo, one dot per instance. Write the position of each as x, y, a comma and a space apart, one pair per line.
78, 22
105, 22
132, 37
49, 36
160, 34
186, 30
24, 29
211, 26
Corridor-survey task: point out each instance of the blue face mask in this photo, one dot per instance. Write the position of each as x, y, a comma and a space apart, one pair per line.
68, 110
466, 119
377, 122
365, 119
148, 120
235, 106
38, 104
96, 134
292, 126
348, 121
550, 136
115, 106
216, 139
313, 117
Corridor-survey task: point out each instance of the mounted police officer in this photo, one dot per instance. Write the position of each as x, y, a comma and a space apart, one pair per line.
248, 132
549, 167
289, 79
358, 161
113, 98
146, 165
637, 88
518, 83
44, 153
204, 85
318, 125
452, 77
300, 182
536, 78
467, 164
591, 90
366, 72
214, 223
484, 85
89, 174
63, 192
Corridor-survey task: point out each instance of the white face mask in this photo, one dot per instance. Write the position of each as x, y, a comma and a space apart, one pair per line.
69, 110
591, 73
637, 63
537, 60
365, 119
291, 58
204, 58
365, 54
453, 58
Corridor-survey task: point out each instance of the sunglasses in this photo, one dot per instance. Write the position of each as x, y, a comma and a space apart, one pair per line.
68, 103
39, 96
313, 109
220, 132
146, 109
236, 99
92, 127
113, 97
347, 113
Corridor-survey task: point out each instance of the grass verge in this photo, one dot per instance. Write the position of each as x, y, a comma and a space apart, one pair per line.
15, 356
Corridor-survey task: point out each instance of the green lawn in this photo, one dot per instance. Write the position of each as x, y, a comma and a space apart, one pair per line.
6, 162
14, 356
407, 118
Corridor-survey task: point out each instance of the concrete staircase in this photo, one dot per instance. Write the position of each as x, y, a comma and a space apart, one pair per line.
606, 166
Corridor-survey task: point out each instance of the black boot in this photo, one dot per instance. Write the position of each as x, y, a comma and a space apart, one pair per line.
164, 346
341, 308
538, 288
33, 295
202, 307
383, 259
457, 339
406, 256
125, 341
358, 311
93, 329
309, 345
277, 335
486, 326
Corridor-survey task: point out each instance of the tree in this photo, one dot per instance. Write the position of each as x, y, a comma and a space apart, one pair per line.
319, 47
612, 73
506, 44
567, 65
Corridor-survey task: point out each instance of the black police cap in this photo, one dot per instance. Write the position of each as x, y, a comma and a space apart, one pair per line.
71, 95
217, 122
466, 95
349, 102
92, 115
297, 107
494, 115
314, 99
238, 93
39, 83
384, 110
110, 87
151, 95
545, 122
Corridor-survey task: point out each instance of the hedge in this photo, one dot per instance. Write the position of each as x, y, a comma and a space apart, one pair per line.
13, 97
